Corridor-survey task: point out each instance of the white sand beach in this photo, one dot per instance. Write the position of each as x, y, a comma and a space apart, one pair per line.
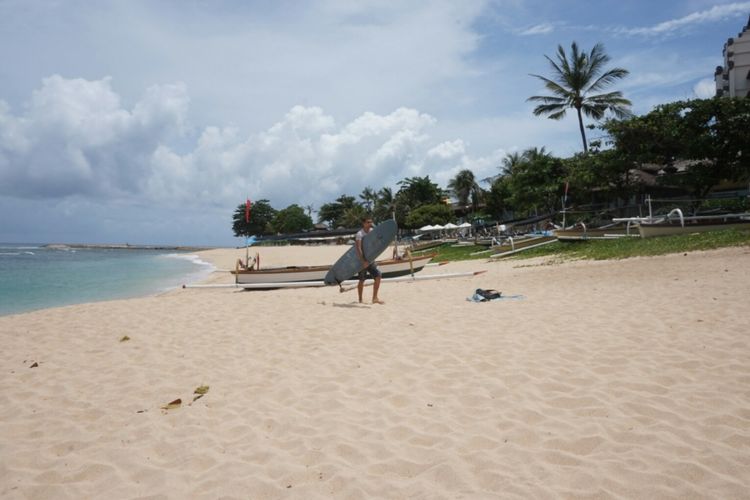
616, 379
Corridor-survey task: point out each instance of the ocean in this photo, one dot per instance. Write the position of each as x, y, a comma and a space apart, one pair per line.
38, 276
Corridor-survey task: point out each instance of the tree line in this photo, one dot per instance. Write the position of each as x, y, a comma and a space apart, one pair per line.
687, 146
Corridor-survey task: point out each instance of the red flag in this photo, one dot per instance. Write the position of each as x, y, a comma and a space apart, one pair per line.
247, 211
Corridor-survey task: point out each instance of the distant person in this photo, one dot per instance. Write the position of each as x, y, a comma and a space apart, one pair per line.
367, 267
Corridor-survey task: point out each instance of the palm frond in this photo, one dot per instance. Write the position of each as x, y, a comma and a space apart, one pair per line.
596, 106
554, 111
559, 115
611, 99
554, 87
594, 110
548, 99
562, 57
607, 78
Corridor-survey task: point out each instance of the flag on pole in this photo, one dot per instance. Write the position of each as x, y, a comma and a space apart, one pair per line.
566, 189
247, 210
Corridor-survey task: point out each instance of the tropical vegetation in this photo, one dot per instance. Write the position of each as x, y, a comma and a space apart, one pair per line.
576, 79
684, 148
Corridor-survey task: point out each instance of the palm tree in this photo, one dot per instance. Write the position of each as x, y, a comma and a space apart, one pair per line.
575, 80
535, 154
417, 191
464, 186
385, 204
511, 162
368, 196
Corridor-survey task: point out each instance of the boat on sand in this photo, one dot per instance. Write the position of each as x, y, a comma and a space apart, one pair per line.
697, 224
390, 268
676, 223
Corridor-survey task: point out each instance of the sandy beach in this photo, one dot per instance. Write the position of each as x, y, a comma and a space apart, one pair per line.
616, 379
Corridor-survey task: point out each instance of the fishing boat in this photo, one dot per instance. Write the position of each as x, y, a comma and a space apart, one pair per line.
675, 223
511, 246
390, 268
581, 232
507, 245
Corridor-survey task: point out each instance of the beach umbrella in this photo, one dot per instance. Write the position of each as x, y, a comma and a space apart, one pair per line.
450, 225
426, 228
465, 224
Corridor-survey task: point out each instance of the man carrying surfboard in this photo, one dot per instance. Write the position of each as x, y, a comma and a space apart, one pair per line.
367, 267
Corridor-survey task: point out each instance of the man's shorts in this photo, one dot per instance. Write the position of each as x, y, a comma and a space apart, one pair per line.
372, 270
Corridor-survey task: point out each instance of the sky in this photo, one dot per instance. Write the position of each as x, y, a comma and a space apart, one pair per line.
150, 121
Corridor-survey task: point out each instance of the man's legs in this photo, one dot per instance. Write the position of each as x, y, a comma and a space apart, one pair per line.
360, 287
375, 288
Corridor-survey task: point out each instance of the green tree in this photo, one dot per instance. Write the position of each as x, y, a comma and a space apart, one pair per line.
575, 80
385, 205
707, 138
601, 176
415, 192
465, 188
333, 213
368, 197
535, 182
437, 213
353, 216
261, 215
510, 162
291, 219
498, 196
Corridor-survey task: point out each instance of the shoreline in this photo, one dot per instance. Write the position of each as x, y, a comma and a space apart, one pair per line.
46, 278
604, 379
124, 246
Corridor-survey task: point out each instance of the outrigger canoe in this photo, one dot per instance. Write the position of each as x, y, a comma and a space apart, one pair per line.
390, 268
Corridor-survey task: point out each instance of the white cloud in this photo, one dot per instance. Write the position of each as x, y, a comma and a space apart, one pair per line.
705, 89
77, 138
539, 29
448, 149
715, 13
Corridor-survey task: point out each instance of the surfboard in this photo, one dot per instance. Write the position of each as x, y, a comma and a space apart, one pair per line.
373, 244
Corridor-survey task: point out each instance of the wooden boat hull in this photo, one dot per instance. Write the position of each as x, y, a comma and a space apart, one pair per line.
390, 268
674, 227
594, 234
351, 283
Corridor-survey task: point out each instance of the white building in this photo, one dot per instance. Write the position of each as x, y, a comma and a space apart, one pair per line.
733, 79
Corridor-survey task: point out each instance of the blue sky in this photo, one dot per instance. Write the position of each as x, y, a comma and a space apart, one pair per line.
149, 122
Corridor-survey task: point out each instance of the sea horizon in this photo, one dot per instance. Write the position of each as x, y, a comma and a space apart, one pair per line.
37, 276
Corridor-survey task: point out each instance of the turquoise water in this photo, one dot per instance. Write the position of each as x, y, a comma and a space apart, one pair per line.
36, 277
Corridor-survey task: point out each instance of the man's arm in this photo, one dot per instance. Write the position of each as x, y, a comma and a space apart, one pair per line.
360, 252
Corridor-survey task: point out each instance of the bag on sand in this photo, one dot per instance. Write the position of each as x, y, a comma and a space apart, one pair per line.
481, 295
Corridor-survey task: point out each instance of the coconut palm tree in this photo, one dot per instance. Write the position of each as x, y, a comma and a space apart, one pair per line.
465, 187
510, 162
368, 197
385, 204
575, 80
